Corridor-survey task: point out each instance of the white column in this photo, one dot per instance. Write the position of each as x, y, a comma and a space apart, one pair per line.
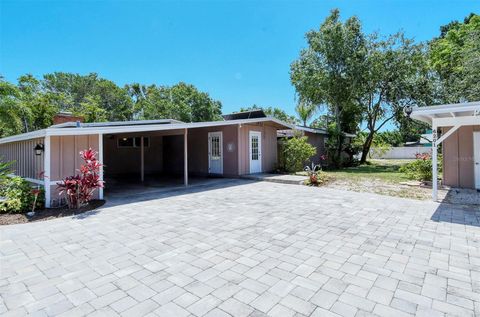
142, 159
100, 158
185, 157
434, 163
47, 171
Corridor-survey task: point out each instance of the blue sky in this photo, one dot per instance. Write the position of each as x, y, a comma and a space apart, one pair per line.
238, 51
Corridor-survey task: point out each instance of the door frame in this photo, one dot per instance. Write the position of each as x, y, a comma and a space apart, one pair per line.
220, 134
476, 158
260, 157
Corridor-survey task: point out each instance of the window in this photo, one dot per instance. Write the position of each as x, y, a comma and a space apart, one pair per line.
215, 147
254, 148
133, 142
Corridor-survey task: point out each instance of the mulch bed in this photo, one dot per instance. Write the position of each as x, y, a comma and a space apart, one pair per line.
47, 214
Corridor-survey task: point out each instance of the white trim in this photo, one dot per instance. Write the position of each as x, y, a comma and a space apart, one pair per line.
136, 128
28, 179
260, 158
476, 158
452, 121
100, 158
220, 134
449, 132
185, 157
47, 170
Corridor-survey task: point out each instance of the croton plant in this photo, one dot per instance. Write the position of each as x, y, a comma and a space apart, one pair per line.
79, 189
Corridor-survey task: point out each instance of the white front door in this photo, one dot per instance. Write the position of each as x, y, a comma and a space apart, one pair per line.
476, 158
215, 153
255, 151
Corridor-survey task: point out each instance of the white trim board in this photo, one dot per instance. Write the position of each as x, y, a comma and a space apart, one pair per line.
135, 128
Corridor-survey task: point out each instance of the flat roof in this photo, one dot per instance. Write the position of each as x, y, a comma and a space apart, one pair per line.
114, 123
427, 114
311, 130
129, 128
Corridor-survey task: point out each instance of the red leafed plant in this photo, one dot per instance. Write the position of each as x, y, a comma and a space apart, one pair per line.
78, 189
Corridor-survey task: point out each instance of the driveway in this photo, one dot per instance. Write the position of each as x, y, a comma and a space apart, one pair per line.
245, 248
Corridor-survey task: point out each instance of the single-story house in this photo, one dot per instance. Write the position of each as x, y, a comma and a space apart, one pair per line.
227, 148
457, 128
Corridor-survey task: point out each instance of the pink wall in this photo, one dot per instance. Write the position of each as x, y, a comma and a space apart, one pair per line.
458, 160
269, 147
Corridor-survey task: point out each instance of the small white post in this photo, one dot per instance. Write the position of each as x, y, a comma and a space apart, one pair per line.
47, 171
185, 157
434, 163
100, 158
142, 159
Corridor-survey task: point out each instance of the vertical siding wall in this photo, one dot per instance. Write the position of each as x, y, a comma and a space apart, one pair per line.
198, 150
318, 141
269, 147
26, 163
65, 159
458, 161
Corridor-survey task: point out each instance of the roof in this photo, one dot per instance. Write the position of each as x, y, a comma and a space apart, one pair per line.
115, 123
257, 113
428, 114
289, 133
129, 127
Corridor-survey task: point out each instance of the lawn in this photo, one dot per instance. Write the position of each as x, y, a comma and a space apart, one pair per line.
380, 177
385, 170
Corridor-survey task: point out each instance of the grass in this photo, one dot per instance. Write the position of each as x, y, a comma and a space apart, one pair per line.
384, 170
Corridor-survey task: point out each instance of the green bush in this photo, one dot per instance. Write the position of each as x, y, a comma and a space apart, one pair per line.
18, 196
421, 168
295, 152
317, 178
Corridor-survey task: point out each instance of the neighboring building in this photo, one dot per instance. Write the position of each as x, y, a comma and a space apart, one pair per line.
139, 148
457, 127
315, 136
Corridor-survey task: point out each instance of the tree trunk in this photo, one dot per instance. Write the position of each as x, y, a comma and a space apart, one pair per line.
366, 146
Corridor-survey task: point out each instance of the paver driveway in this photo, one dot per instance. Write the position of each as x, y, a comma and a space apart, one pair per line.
247, 249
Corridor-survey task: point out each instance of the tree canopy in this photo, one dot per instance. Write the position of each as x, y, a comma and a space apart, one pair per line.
32, 103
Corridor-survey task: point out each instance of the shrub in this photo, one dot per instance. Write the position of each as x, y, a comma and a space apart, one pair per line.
19, 196
316, 176
78, 189
295, 152
421, 168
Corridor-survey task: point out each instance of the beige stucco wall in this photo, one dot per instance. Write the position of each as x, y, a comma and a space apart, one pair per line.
458, 160
26, 163
269, 147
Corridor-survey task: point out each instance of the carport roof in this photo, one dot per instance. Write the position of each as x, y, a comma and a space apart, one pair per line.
128, 127
450, 111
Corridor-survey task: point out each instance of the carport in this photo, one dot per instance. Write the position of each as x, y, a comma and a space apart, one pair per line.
457, 127
146, 157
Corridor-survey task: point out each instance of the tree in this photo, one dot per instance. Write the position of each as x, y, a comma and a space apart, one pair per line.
273, 112
392, 66
305, 111
91, 110
182, 102
11, 109
329, 71
455, 56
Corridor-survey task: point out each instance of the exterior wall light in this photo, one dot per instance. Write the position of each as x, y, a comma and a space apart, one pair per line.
39, 148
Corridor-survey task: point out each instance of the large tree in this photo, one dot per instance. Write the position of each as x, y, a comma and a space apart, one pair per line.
455, 56
392, 71
182, 101
329, 72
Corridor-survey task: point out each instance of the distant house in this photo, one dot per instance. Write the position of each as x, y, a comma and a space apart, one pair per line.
138, 149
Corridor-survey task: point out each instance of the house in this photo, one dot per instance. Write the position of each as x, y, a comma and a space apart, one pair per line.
457, 128
141, 148
315, 136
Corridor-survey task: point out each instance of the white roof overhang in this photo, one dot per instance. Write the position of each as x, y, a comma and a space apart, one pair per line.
135, 128
449, 115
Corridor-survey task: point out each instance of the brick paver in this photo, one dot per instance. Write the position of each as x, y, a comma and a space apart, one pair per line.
241, 248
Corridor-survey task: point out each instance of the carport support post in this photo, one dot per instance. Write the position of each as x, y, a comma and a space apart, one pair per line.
100, 158
47, 171
185, 157
142, 159
434, 163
